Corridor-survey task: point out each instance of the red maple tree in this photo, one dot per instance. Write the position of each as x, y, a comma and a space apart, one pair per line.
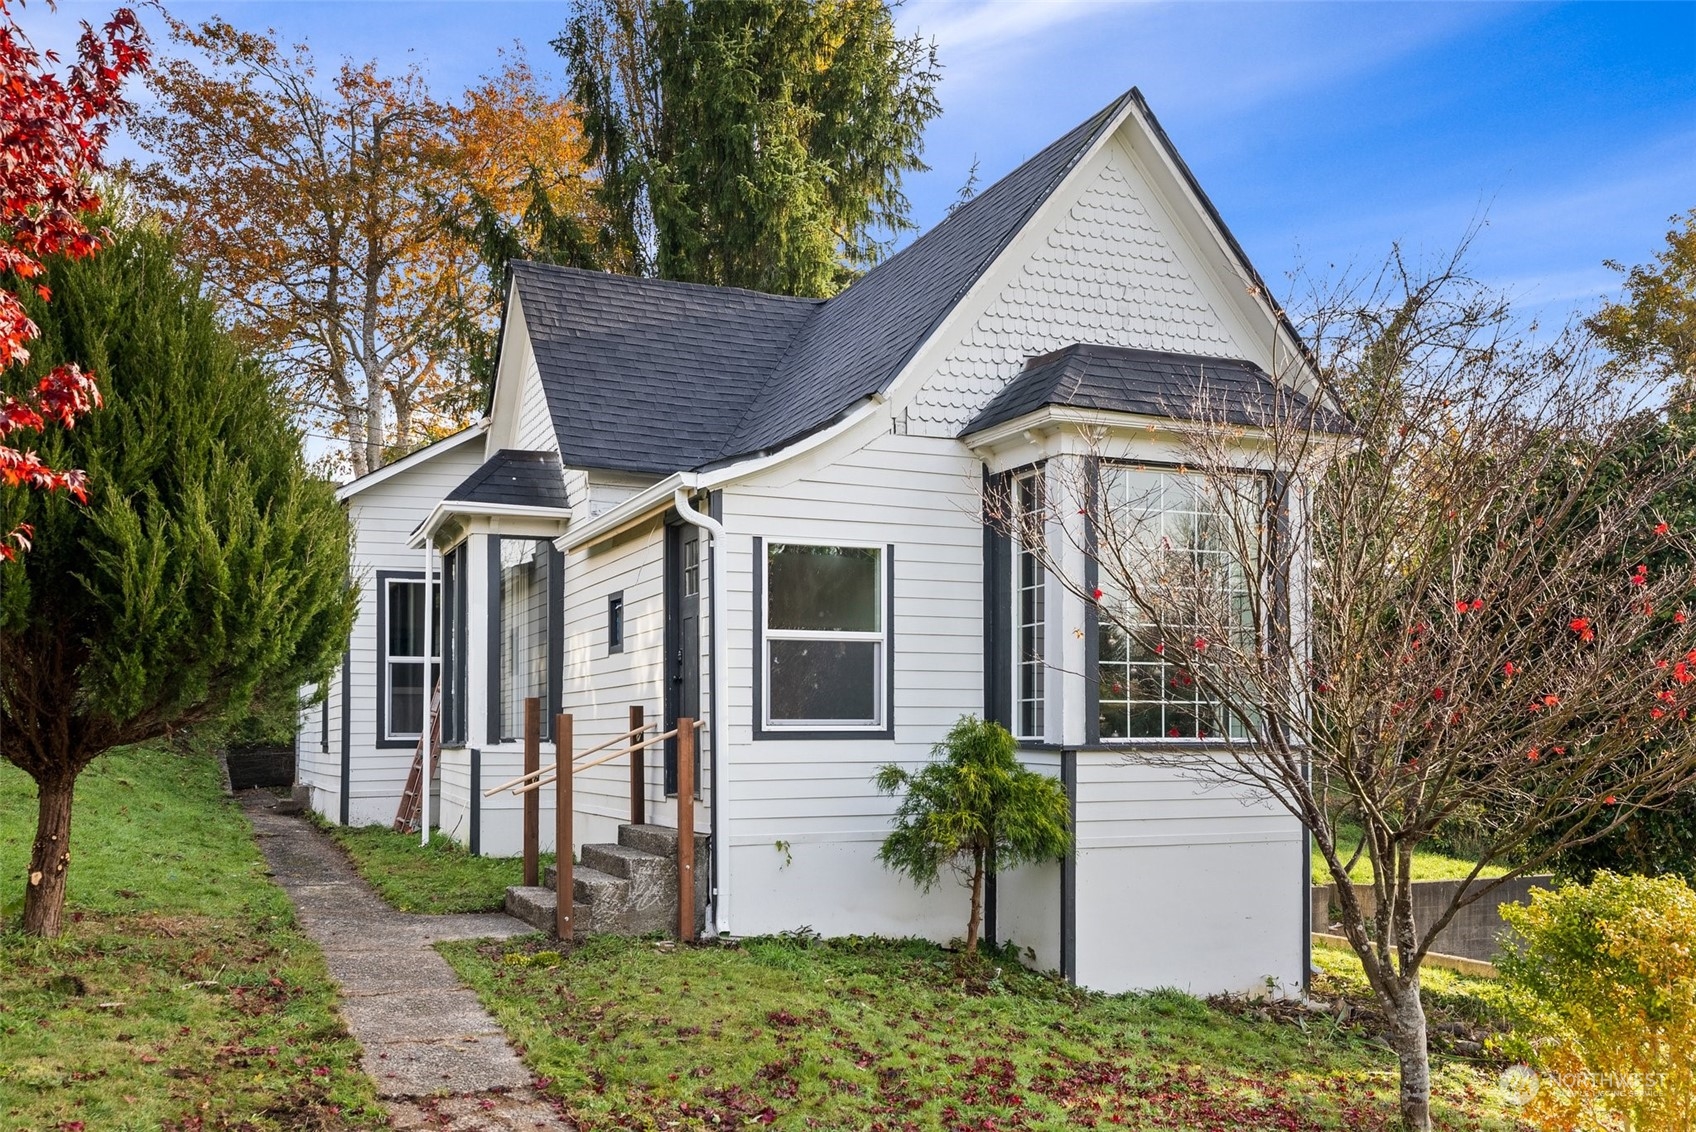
52, 132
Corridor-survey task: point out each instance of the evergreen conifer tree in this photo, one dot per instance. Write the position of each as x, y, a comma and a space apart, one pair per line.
205, 562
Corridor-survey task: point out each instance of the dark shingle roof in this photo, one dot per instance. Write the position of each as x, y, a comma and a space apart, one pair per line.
513, 477
1149, 382
860, 340
646, 375
652, 376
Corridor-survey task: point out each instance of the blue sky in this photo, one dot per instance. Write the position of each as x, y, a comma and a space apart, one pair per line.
1323, 132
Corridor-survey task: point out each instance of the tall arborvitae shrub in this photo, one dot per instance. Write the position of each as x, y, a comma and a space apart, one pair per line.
205, 562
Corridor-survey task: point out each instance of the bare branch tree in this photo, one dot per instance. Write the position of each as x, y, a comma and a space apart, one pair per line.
1422, 589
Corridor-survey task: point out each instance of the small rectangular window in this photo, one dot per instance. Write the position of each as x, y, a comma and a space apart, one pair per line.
692, 568
825, 637
615, 622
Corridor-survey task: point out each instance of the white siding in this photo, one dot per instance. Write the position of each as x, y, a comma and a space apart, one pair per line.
601, 686
383, 517
1112, 269
816, 796
1184, 885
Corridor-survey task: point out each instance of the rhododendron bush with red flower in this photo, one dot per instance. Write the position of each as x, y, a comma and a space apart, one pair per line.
1434, 580
52, 131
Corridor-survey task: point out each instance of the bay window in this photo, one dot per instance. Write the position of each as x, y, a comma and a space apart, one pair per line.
1175, 542
1029, 614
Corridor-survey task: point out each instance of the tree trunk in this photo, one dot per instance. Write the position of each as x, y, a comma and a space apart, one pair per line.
1407, 1035
977, 902
44, 892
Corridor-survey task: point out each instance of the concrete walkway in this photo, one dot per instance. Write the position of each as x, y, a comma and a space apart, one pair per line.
437, 1056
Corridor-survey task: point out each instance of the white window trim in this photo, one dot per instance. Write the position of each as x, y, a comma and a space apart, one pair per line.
386, 676
1016, 588
1222, 741
879, 722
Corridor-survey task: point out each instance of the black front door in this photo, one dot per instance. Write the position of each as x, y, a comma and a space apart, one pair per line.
683, 577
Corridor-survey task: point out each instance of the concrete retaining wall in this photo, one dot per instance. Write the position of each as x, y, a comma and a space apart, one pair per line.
1474, 930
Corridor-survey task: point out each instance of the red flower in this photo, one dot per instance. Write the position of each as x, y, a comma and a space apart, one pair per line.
1096, 593
1533, 754
1160, 649
1656, 713
1558, 750
1581, 626
1172, 733
1436, 693
1508, 669
1461, 606
1666, 695
1661, 528
1679, 618
1640, 575
1201, 644
1610, 800
1551, 700
1477, 604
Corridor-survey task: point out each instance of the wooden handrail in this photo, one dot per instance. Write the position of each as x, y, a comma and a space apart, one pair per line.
547, 770
547, 774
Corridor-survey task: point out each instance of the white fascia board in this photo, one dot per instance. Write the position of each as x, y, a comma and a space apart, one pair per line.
451, 507
660, 495
411, 460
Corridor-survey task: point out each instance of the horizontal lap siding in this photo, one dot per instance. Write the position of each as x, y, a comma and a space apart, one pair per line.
1183, 884
816, 796
600, 687
383, 517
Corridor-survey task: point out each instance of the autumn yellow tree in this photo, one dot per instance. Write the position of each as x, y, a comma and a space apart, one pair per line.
524, 191
311, 204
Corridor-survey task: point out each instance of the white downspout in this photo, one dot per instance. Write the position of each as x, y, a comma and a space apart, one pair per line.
720, 716
429, 693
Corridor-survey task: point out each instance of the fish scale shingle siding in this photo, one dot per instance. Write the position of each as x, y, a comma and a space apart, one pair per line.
1105, 274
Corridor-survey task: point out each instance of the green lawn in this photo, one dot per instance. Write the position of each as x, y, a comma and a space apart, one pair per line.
1427, 864
181, 996
436, 878
875, 1034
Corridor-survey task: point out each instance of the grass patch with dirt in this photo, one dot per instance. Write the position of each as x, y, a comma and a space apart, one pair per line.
435, 879
181, 995
879, 1034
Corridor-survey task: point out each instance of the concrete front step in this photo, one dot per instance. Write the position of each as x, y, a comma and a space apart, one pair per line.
537, 906
660, 840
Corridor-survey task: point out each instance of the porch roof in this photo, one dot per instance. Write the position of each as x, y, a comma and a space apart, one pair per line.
515, 477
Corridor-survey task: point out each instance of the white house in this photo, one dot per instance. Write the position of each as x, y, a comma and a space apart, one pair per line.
767, 513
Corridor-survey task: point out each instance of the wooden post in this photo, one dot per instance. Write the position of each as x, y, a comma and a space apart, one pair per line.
686, 830
564, 878
638, 781
532, 798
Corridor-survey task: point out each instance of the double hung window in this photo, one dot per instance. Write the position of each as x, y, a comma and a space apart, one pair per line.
406, 689
825, 637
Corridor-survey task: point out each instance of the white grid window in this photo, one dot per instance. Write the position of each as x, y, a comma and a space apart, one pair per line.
1030, 585
1162, 516
404, 687
825, 637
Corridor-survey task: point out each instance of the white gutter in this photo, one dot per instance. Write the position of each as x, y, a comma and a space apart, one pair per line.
719, 693
664, 493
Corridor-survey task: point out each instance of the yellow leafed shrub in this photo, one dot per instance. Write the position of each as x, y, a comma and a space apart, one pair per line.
1603, 979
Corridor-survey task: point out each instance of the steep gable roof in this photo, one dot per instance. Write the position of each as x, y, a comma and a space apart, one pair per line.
647, 375
644, 375
1154, 383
